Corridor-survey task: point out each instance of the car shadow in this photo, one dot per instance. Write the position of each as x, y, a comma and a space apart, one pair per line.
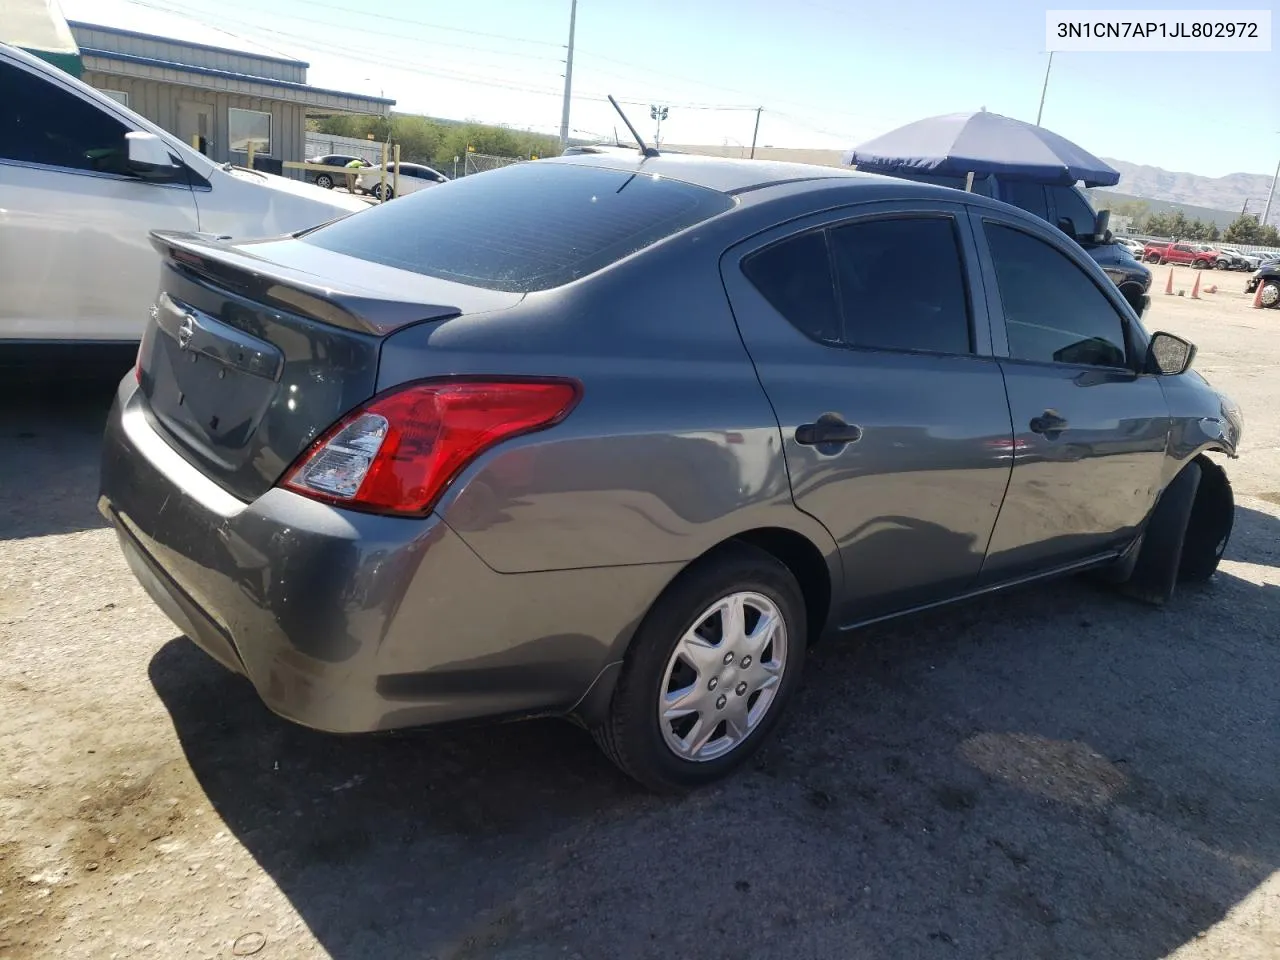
50, 446
1057, 772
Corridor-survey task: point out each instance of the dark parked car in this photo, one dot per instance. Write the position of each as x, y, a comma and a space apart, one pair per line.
1268, 277
1068, 208
619, 439
325, 179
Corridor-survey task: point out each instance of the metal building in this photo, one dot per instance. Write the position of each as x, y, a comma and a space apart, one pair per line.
221, 92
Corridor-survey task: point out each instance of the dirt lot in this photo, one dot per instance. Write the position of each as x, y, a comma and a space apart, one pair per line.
1055, 773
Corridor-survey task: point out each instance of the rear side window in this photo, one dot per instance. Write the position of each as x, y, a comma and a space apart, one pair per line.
901, 285
530, 226
42, 123
1029, 196
1053, 312
795, 277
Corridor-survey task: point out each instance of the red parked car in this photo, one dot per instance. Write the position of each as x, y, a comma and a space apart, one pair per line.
1187, 254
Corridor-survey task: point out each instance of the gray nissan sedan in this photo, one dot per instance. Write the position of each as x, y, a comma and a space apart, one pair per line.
617, 438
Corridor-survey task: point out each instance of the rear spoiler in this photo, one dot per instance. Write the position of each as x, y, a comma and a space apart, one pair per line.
237, 270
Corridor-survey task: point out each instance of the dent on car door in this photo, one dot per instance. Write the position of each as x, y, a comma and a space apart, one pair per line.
1090, 430
894, 421
73, 221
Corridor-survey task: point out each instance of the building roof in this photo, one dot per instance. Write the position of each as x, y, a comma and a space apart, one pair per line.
132, 19
150, 68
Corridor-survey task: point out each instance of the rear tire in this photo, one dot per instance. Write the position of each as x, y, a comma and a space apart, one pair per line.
324, 181
383, 193
633, 734
1209, 526
1271, 294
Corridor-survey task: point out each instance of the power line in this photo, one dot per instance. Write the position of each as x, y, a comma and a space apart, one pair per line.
368, 30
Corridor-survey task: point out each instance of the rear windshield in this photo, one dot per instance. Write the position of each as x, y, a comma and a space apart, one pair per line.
530, 226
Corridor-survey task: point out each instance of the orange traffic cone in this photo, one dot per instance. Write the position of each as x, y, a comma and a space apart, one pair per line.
1257, 297
1168, 287
1195, 288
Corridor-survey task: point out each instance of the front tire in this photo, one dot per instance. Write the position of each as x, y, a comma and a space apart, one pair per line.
1209, 526
324, 181
382, 192
709, 672
1270, 294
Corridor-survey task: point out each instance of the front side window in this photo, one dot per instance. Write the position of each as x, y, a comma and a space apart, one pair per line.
901, 285
42, 123
1053, 311
249, 126
1074, 207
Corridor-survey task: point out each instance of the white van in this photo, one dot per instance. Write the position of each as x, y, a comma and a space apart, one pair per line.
83, 180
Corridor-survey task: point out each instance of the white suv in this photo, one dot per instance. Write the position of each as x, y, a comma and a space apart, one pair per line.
83, 180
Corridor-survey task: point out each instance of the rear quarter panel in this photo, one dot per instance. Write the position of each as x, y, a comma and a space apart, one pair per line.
673, 447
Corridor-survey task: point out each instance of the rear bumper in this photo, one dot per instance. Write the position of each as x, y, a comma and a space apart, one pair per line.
349, 622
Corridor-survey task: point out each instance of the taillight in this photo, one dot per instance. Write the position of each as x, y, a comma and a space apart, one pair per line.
399, 452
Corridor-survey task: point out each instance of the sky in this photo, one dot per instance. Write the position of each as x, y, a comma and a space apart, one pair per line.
828, 74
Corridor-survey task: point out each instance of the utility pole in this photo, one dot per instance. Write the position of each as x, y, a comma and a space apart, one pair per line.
568, 76
1044, 89
1266, 211
755, 133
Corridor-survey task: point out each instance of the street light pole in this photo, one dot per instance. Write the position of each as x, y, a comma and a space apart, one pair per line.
568, 77
1266, 212
755, 133
1044, 89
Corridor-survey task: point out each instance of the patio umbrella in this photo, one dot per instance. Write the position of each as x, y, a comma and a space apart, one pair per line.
982, 144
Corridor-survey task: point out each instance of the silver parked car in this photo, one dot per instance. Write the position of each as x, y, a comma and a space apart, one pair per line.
619, 438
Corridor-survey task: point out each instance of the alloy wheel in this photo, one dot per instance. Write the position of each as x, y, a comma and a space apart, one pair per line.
722, 677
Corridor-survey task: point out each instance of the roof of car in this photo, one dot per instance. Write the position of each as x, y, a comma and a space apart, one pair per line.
715, 173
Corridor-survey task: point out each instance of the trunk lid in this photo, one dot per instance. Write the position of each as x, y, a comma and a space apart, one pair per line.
256, 348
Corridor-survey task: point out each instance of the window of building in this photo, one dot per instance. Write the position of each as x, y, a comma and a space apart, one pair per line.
119, 96
249, 126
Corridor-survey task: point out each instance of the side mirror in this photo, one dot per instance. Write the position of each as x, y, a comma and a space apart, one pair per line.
1101, 233
1169, 355
149, 158
1066, 226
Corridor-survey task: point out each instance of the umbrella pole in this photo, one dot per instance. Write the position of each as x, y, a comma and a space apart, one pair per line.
968, 182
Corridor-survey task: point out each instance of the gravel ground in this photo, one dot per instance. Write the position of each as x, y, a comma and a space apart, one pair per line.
1056, 772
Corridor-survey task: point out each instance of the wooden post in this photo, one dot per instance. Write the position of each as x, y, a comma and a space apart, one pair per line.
195, 142
395, 182
968, 182
382, 175
250, 163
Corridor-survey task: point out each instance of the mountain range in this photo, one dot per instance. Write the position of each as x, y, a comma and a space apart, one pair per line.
1227, 194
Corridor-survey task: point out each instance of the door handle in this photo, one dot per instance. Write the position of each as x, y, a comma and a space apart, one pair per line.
829, 428
1048, 422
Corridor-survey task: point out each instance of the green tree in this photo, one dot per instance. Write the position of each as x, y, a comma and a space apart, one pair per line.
1269, 236
1160, 225
1214, 233
1244, 229
1179, 226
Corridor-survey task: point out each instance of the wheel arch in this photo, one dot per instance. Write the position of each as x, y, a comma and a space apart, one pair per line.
816, 573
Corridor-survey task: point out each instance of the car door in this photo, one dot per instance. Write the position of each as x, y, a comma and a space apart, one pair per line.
1090, 431
876, 358
76, 260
